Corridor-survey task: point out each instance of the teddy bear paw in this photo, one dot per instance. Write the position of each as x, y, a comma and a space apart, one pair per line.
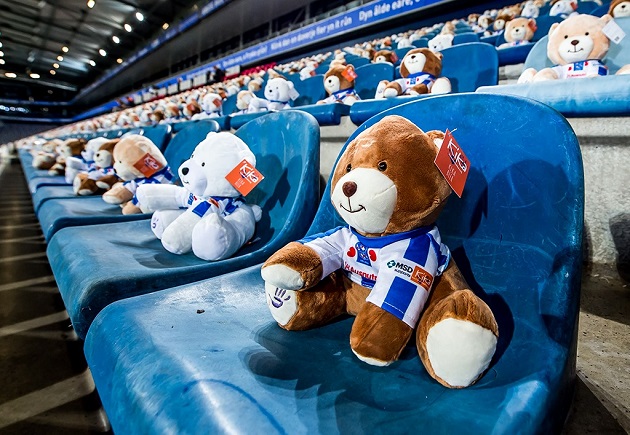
102, 185
390, 93
460, 351
282, 303
282, 276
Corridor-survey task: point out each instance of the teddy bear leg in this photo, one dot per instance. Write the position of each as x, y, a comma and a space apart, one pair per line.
457, 335
131, 208
623, 70
86, 187
378, 337
441, 86
161, 219
393, 89
305, 309
106, 182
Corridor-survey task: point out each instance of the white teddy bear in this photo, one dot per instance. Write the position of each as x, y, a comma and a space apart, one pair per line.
212, 105
278, 93
216, 221
563, 8
75, 165
440, 42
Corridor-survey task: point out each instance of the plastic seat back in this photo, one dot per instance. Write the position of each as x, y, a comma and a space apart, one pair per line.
543, 24
357, 61
462, 38
229, 105
516, 236
159, 134
184, 142
311, 91
470, 65
368, 77
421, 43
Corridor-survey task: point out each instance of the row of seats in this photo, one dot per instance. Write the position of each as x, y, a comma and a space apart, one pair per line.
179, 345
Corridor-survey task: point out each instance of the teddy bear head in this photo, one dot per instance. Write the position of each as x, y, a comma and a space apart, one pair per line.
192, 108
619, 8
92, 147
243, 98
530, 10
421, 60
171, 110
484, 21
255, 84
71, 147
442, 41
103, 158
211, 103
382, 56
157, 115
562, 7
472, 18
373, 188
520, 29
500, 22
578, 38
335, 80
135, 152
281, 90
215, 157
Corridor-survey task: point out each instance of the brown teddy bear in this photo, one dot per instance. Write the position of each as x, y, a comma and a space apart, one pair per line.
69, 148
498, 26
619, 8
339, 83
46, 157
382, 56
519, 31
137, 161
576, 46
420, 69
101, 176
388, 267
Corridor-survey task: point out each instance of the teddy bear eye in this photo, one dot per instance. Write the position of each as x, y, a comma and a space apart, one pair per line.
382, 166
566, 36
203, 164
349, 167
586, 34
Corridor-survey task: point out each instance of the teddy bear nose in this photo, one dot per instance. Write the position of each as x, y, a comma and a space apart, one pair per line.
185, 171
575, 42
349, 188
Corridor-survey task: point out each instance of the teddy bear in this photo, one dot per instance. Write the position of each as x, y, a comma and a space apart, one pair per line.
441, 41
46, 156
308, 70
499, 25
339, 84
563, 8
101, 175
404, 42
388, 266
191, 108
212, 105
530, 10
518, 31
215, 221
137, 161
382, 56
420, 69
576, 46
157, 117
243, 98
171, 113
69, 148
278, 92
619, 8
85, 161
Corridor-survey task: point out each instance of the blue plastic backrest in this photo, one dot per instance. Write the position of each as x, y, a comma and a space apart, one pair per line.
470, 65
229, 104
311, 91
160, 135
509, 199
543, 24
421, 43
182, 145
322, 68
286, 145
368, 77
463, 30
401, 52
618, 54
586, 7
357, 61
600, 11
462, 38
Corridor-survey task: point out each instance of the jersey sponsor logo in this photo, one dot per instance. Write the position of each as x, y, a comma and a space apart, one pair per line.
400, 268
422, 278
366, 275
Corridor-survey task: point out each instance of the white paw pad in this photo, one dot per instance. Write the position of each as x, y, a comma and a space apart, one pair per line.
282, 303
460, 350
282, 276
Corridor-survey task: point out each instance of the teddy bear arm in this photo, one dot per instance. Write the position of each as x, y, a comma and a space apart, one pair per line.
107, 181
393, 89
118, 194
154, 197
545, 74
294, 267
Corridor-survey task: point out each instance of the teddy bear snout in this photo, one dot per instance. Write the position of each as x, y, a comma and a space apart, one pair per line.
349, 188
575, 42
185, 170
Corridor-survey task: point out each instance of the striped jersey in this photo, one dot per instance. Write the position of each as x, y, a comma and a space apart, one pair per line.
163, 176
399, 269
581, 69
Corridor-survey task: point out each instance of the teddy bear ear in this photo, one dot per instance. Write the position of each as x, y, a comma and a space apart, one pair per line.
438, 54
437, 137
552, 28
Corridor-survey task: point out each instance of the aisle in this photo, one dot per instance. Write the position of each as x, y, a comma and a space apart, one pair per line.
45, 384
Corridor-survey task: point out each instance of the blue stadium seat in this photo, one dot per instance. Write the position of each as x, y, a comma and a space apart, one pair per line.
599, 96
421, 43
97, 265
229, 106
518, 54
587, 7
357, 61
159, 359
55, 214
492, 39
159, 135
400, 53
600, 11
462, 38
311, 91
468, 66
368, 77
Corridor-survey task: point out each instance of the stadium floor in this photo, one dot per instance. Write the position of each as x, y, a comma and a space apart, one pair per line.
48, 387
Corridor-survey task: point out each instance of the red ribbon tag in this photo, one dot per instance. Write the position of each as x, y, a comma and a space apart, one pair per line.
453, 163
217, 102
244, 177
148, 165
394, 57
